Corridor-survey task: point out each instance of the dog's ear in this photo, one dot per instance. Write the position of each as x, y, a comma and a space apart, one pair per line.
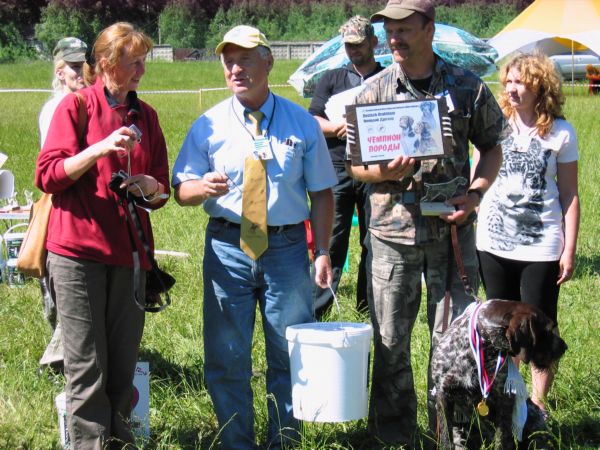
522, 333
410, 121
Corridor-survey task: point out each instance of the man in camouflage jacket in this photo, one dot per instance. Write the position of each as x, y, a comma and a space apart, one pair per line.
404, 245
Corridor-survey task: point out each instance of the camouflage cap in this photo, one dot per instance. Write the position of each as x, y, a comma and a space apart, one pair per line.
401, 9
70, 49
356, 30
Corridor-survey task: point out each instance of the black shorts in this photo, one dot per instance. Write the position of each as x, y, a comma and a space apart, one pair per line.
532, 282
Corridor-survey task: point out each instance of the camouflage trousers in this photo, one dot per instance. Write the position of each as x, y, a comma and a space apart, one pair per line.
394, 274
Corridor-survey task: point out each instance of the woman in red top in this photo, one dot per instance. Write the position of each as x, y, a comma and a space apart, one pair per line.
90, 262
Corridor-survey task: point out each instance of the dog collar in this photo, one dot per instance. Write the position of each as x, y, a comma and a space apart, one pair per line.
485, 381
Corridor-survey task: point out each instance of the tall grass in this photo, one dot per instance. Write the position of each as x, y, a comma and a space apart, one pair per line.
181, 411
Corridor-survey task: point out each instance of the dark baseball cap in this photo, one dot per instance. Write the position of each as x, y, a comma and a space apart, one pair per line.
70, 49
401, 9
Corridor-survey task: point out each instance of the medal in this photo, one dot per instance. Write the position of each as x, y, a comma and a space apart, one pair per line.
483, 409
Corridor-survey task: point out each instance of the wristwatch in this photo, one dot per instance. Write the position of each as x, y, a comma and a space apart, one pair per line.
477, 192
320, 251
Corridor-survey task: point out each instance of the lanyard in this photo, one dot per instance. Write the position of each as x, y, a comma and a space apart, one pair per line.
243, 124
485, 380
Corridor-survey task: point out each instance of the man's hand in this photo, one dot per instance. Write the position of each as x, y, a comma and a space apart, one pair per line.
323, 272
464, 205
397, 168
214, 184
340, 130
194, 192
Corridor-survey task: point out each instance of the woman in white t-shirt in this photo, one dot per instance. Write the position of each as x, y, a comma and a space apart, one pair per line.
529, 219
69, 61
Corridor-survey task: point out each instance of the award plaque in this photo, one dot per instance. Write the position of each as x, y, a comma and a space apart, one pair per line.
420, 129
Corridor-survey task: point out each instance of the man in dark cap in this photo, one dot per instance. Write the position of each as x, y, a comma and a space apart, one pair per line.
359, 42
403, 244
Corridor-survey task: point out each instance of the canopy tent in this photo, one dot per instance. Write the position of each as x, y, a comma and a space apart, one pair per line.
451, 43
557, 26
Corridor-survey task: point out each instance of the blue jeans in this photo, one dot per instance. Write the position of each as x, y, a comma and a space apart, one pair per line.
233, 285
348, 194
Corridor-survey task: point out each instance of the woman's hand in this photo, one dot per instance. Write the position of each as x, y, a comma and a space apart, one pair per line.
120, 141
141, 185
566, 267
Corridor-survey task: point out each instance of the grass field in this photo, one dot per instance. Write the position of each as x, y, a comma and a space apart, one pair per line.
181, 411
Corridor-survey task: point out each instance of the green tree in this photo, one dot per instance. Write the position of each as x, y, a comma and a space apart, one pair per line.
58, 22
182, 27
12, 44
223, 22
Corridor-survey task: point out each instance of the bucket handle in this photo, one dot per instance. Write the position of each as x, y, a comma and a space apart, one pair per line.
335, 301
14, 227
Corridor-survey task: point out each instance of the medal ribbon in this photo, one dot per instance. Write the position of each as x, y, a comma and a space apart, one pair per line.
485, 382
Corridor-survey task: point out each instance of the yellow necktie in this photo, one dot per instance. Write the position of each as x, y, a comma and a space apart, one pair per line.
253, 237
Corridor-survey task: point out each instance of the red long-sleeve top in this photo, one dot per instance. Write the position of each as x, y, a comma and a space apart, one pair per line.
86, 220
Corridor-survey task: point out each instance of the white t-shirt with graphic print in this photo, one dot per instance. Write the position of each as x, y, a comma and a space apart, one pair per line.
520, 216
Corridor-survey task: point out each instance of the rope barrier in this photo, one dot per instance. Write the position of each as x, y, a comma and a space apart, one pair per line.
165, 91
152, 92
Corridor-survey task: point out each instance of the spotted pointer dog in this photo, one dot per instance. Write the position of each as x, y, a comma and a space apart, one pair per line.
505, 327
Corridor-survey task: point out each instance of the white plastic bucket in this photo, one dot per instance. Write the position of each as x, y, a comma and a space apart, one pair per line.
329, 363
61, 409
13, 244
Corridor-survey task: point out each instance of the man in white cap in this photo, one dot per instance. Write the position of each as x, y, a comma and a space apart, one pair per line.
404, 245
251, 161
359, 42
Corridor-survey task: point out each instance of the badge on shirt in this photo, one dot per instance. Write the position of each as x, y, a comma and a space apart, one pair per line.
262, 149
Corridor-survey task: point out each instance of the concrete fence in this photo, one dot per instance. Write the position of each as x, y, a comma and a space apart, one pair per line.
293, 50
280, 49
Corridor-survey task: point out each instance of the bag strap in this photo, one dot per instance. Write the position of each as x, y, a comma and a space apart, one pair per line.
82, 117
135, 219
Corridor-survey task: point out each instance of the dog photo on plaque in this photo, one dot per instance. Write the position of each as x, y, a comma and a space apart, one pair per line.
420, 129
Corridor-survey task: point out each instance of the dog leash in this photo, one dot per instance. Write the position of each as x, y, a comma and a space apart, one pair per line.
454, 247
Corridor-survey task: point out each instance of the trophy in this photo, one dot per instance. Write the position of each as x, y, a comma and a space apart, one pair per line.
440, 192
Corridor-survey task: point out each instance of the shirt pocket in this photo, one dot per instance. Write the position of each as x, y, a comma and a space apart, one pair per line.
290, 158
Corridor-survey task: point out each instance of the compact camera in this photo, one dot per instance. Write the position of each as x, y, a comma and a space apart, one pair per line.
115, 183
137, 131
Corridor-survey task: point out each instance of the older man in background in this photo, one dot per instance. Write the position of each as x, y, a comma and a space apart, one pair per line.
251, 160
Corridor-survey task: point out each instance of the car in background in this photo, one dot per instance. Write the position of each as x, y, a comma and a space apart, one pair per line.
579, 61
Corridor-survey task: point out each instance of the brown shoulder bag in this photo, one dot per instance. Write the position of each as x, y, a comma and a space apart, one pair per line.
31, 260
